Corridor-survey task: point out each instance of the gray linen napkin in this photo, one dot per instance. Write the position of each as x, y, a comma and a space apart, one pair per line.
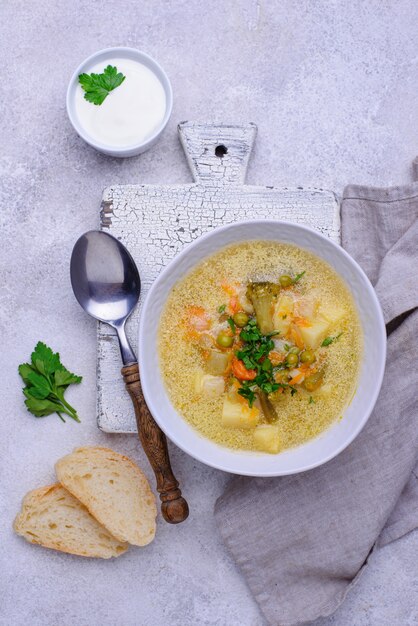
302, 541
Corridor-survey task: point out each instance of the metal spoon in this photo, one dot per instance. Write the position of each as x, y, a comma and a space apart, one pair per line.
106, 283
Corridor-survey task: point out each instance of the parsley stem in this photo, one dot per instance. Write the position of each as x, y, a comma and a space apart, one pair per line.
69, 410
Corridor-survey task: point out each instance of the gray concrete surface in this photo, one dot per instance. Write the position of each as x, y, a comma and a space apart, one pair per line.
332, 87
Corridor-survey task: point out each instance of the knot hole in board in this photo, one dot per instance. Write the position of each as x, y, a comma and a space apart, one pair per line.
220, 151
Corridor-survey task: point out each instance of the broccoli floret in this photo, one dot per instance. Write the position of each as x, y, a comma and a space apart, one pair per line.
263, 297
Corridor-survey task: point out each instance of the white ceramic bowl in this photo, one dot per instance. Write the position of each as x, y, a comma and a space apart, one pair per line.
341, 433
107, 56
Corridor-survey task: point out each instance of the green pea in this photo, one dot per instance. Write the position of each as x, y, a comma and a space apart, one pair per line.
307, 356
241, 319
224, 340
292, 359
294, 350
285, 280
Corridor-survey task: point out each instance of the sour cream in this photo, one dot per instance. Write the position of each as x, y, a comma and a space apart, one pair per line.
131, 113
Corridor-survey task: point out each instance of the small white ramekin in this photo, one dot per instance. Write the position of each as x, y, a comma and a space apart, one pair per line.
108, 55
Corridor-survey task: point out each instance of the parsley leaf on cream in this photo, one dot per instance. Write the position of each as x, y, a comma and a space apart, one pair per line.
98, 86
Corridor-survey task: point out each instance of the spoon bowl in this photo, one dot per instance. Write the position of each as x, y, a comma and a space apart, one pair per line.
104, 277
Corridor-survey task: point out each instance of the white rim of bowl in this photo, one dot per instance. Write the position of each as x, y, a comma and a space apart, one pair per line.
90, 61
146, 310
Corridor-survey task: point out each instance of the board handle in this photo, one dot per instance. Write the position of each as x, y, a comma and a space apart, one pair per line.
174, 507
217, 154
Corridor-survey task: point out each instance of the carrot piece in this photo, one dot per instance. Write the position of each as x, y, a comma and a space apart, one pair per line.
276, 357
194, 310
240, 371
233, 304
297, 379
296, 336
198, 318
229, 289
302, 322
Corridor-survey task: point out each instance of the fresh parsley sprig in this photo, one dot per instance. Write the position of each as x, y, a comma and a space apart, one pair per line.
98, 86
46, 380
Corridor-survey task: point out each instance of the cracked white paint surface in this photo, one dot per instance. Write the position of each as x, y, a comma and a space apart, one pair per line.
155, 222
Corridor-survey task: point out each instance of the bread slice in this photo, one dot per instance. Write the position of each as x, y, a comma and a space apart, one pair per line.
114, 490
53, 518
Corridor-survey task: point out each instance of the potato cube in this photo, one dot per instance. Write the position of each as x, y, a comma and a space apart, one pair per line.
283, 313
237, 414
313, 335
324, 391
307, 307
218, 362
208, 385
332, 314
266, 438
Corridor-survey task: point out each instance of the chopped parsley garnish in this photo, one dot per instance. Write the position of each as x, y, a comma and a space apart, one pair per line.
311, 400
247, 390
254, 355
221, 309
98, 86
298, 277
329, 340
231, 324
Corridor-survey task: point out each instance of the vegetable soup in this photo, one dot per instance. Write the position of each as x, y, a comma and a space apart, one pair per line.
260, 346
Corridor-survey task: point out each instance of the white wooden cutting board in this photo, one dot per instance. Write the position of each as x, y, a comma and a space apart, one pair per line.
156, 221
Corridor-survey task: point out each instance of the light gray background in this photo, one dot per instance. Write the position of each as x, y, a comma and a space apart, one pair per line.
332, 87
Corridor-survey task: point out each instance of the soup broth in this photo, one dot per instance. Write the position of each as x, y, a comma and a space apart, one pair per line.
260, 346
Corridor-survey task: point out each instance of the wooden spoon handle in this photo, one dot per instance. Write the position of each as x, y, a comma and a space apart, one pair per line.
174, 507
